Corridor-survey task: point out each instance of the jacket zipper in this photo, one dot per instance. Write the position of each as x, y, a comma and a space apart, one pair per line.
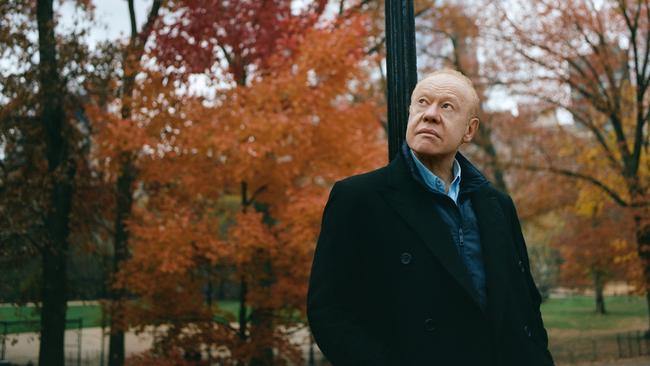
461, 243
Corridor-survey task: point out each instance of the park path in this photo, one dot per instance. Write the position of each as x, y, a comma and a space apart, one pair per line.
642, 361
635, 362
23, 348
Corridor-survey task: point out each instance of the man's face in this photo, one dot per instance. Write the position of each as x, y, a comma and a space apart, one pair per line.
440, 117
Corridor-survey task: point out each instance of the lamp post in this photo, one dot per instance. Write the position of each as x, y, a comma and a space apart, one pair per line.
401, 68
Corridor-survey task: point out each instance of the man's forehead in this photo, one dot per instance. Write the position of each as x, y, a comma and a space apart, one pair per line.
448, 82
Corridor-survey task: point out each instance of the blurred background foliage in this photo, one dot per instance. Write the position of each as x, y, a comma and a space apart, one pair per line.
175, 175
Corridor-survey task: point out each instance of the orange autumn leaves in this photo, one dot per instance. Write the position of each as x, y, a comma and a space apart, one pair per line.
239, 183
601, 242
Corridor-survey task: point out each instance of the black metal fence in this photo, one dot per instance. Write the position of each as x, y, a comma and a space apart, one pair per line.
633, 344
596, 348
568, 351
9, 330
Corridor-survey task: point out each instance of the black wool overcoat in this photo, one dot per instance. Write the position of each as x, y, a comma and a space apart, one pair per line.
388, 286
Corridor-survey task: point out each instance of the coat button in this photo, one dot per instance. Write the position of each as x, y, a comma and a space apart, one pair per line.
429, 325
521, 267
405, 258
527, 331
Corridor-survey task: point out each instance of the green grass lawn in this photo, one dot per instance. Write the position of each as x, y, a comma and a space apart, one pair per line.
566, 316
577, 333
91, 316
577, 313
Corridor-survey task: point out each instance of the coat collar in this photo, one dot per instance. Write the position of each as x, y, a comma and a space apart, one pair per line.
412, 201
408, 195
471, 178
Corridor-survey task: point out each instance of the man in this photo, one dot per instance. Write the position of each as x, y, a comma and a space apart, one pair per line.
423, 262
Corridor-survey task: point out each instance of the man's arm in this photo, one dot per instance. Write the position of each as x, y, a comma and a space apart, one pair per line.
334, 301
532, 287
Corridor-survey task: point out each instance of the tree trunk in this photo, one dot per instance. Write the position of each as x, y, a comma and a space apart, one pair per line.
647, 299
62, 172
124, 201
127, 175
209, 290
484, 141
262, 337
221, 290
51, 349
116, 346
243, 287
599, 285
242, 309
643, 248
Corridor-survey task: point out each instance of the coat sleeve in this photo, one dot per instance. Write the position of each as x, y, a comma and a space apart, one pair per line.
335, 301
532, 287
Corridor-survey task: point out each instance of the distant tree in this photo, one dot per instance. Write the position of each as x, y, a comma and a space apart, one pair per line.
451, 38
277, 144
596, 245
230, 41
545, 262
37, 121
123, 170
48, 206
592, 62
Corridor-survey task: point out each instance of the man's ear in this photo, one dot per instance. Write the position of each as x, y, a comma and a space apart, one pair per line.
472, 127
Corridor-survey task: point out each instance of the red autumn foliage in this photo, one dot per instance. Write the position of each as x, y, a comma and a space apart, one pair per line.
273, 147
240, 34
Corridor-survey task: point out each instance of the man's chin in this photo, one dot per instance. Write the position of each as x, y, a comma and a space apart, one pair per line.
426, 148
430, 152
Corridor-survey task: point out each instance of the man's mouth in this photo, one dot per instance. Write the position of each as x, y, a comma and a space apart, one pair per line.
428, 131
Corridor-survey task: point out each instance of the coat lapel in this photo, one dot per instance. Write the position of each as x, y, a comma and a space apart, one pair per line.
414, 205
494, 239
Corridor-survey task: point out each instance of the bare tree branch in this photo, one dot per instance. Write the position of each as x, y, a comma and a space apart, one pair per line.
586, 178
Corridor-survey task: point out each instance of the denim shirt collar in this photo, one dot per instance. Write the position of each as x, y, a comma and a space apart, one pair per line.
471, 179
434, 183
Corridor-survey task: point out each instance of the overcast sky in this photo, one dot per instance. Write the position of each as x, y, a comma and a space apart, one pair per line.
112, 17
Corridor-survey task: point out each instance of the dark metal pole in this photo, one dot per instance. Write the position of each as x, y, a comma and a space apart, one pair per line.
401, 68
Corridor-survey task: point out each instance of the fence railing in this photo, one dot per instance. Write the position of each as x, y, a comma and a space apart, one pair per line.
632, 344
596, 348
565, 351
10, 328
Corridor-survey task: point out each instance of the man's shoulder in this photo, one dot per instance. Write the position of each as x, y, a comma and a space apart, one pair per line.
363, 182
502, 197
499, 194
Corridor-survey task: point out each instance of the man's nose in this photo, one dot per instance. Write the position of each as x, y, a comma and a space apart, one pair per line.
431, 114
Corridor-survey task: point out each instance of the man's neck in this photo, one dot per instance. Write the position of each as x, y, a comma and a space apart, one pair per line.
441, 166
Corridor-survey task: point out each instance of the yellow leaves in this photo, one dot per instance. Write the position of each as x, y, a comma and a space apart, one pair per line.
590, 201
602, 240
590, 197
626, 257
626, 251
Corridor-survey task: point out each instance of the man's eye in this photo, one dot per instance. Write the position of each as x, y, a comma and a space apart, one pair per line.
422, 101
447, 106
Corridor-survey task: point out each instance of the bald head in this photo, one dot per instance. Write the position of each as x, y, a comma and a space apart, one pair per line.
472, 96
442, 116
